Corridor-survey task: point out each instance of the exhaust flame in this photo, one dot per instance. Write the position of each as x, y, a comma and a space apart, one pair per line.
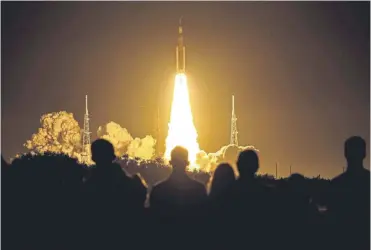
182, 131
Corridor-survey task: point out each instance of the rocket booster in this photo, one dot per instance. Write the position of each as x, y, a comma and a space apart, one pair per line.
180, 50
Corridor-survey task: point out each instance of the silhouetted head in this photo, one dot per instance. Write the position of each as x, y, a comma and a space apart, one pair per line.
355, 150
223, 177
179, 158
248, 163
223, 171
102, 152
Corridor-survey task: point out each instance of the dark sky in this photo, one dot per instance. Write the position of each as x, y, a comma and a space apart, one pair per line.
299, 72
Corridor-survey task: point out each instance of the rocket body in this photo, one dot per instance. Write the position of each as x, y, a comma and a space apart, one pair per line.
180, 52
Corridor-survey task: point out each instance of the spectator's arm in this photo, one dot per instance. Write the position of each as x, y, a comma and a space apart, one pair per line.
140, 187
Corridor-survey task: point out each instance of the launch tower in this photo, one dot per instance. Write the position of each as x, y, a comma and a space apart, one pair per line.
86, 155
234, 139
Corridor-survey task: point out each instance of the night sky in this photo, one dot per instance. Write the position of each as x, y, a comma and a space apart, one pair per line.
299, 72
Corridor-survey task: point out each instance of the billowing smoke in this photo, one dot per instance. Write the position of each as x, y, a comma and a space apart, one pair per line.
228, 154
118, 136
124, 143
142, 148
59, 133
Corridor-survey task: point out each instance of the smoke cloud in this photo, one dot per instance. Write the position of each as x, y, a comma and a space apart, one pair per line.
142, 148
227, 154
61, 133
124, 143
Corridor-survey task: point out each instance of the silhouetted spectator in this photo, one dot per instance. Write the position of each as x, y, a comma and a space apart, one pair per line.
349, 205
223, 181
179, 201
255, 204
179, 192
248, 165
115, 202
221, 205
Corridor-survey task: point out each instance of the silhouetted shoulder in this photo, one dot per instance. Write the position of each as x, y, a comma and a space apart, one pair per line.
158, 194
159, 188
199, 186
339, 180
360, 176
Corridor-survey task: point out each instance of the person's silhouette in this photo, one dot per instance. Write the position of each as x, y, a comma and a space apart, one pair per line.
223, 181
179, 192
248, 166
178, 203
103, 152
114, 201
105, 174
221, 205
254, 200
356, 178
349, 205
355, 153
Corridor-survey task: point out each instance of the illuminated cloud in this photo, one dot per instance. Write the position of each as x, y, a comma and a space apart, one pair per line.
124, 143
61, 133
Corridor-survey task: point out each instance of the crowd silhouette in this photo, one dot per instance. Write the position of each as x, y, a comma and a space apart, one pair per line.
52, 202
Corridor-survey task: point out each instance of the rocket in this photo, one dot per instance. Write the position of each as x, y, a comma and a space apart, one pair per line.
180, 50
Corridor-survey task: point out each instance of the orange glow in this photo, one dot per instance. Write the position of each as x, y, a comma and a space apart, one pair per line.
182, 131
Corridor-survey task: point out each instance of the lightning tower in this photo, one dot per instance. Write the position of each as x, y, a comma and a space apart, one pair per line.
86, 155
234, 139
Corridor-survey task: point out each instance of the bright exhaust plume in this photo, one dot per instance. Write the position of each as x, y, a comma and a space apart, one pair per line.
182, 131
